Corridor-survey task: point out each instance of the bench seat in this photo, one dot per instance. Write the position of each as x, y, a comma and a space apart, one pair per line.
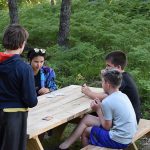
143, 129
92, 147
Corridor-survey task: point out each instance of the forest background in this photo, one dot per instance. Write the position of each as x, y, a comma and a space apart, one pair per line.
97, 27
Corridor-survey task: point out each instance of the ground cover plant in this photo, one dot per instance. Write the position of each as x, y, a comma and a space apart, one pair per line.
96, 28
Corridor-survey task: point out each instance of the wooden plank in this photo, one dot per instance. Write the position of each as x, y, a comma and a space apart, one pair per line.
91, 147
50, 105
60, 108
132, 147
34, 144
143, 129
74, 109
53, 102
66, 90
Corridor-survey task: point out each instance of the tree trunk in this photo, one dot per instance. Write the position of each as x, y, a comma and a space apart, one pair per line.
64, 23
13, 11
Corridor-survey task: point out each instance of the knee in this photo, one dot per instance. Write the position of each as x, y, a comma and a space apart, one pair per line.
86, 118
86, 132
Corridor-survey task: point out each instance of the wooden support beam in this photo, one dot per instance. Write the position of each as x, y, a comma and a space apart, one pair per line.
34, 144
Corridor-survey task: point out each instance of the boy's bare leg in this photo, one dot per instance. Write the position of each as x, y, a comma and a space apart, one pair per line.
87, 121
85, 136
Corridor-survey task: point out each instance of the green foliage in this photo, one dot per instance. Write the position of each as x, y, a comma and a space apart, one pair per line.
96, 28
77, 65
42, 28
1, 48
3, 3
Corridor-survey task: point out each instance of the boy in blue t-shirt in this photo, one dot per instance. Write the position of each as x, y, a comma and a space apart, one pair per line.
115, 125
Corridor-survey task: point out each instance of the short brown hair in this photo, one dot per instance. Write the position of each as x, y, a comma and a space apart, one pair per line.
14, 36
117, 58
112, 76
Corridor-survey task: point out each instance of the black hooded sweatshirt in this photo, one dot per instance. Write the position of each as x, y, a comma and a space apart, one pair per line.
17, 88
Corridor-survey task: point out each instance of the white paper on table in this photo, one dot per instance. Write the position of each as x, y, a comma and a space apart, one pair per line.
51, 95
59, 94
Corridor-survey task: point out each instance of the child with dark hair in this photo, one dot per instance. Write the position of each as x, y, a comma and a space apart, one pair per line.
118, 60
43, 75
116, 123
17, 91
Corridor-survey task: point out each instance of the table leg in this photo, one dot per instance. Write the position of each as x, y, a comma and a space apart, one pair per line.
132, 147
34, 144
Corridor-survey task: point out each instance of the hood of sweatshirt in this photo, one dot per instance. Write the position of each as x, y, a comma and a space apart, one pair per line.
5, 62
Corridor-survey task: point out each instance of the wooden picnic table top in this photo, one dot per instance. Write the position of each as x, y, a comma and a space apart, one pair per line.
61, 106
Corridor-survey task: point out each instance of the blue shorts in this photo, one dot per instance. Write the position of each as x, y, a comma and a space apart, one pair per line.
100, 137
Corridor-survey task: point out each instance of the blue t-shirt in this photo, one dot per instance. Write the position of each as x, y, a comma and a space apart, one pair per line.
118, 108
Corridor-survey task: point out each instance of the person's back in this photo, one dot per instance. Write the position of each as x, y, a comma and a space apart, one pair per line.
122, 114
17, 91
129, 87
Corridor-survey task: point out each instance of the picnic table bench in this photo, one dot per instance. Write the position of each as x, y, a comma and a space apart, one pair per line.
143, 130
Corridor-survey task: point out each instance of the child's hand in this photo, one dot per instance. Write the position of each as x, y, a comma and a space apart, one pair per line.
43, 91
85, 89
95, 105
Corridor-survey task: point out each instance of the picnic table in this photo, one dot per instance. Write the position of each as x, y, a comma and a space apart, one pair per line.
55, 109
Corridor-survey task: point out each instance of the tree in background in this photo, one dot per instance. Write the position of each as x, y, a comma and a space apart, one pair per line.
53, 2
13, 11
64, 23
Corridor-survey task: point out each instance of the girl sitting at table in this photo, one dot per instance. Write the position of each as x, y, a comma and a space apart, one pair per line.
44, 76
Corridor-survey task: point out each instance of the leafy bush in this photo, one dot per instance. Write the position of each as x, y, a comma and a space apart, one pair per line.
77, 65
96, 28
